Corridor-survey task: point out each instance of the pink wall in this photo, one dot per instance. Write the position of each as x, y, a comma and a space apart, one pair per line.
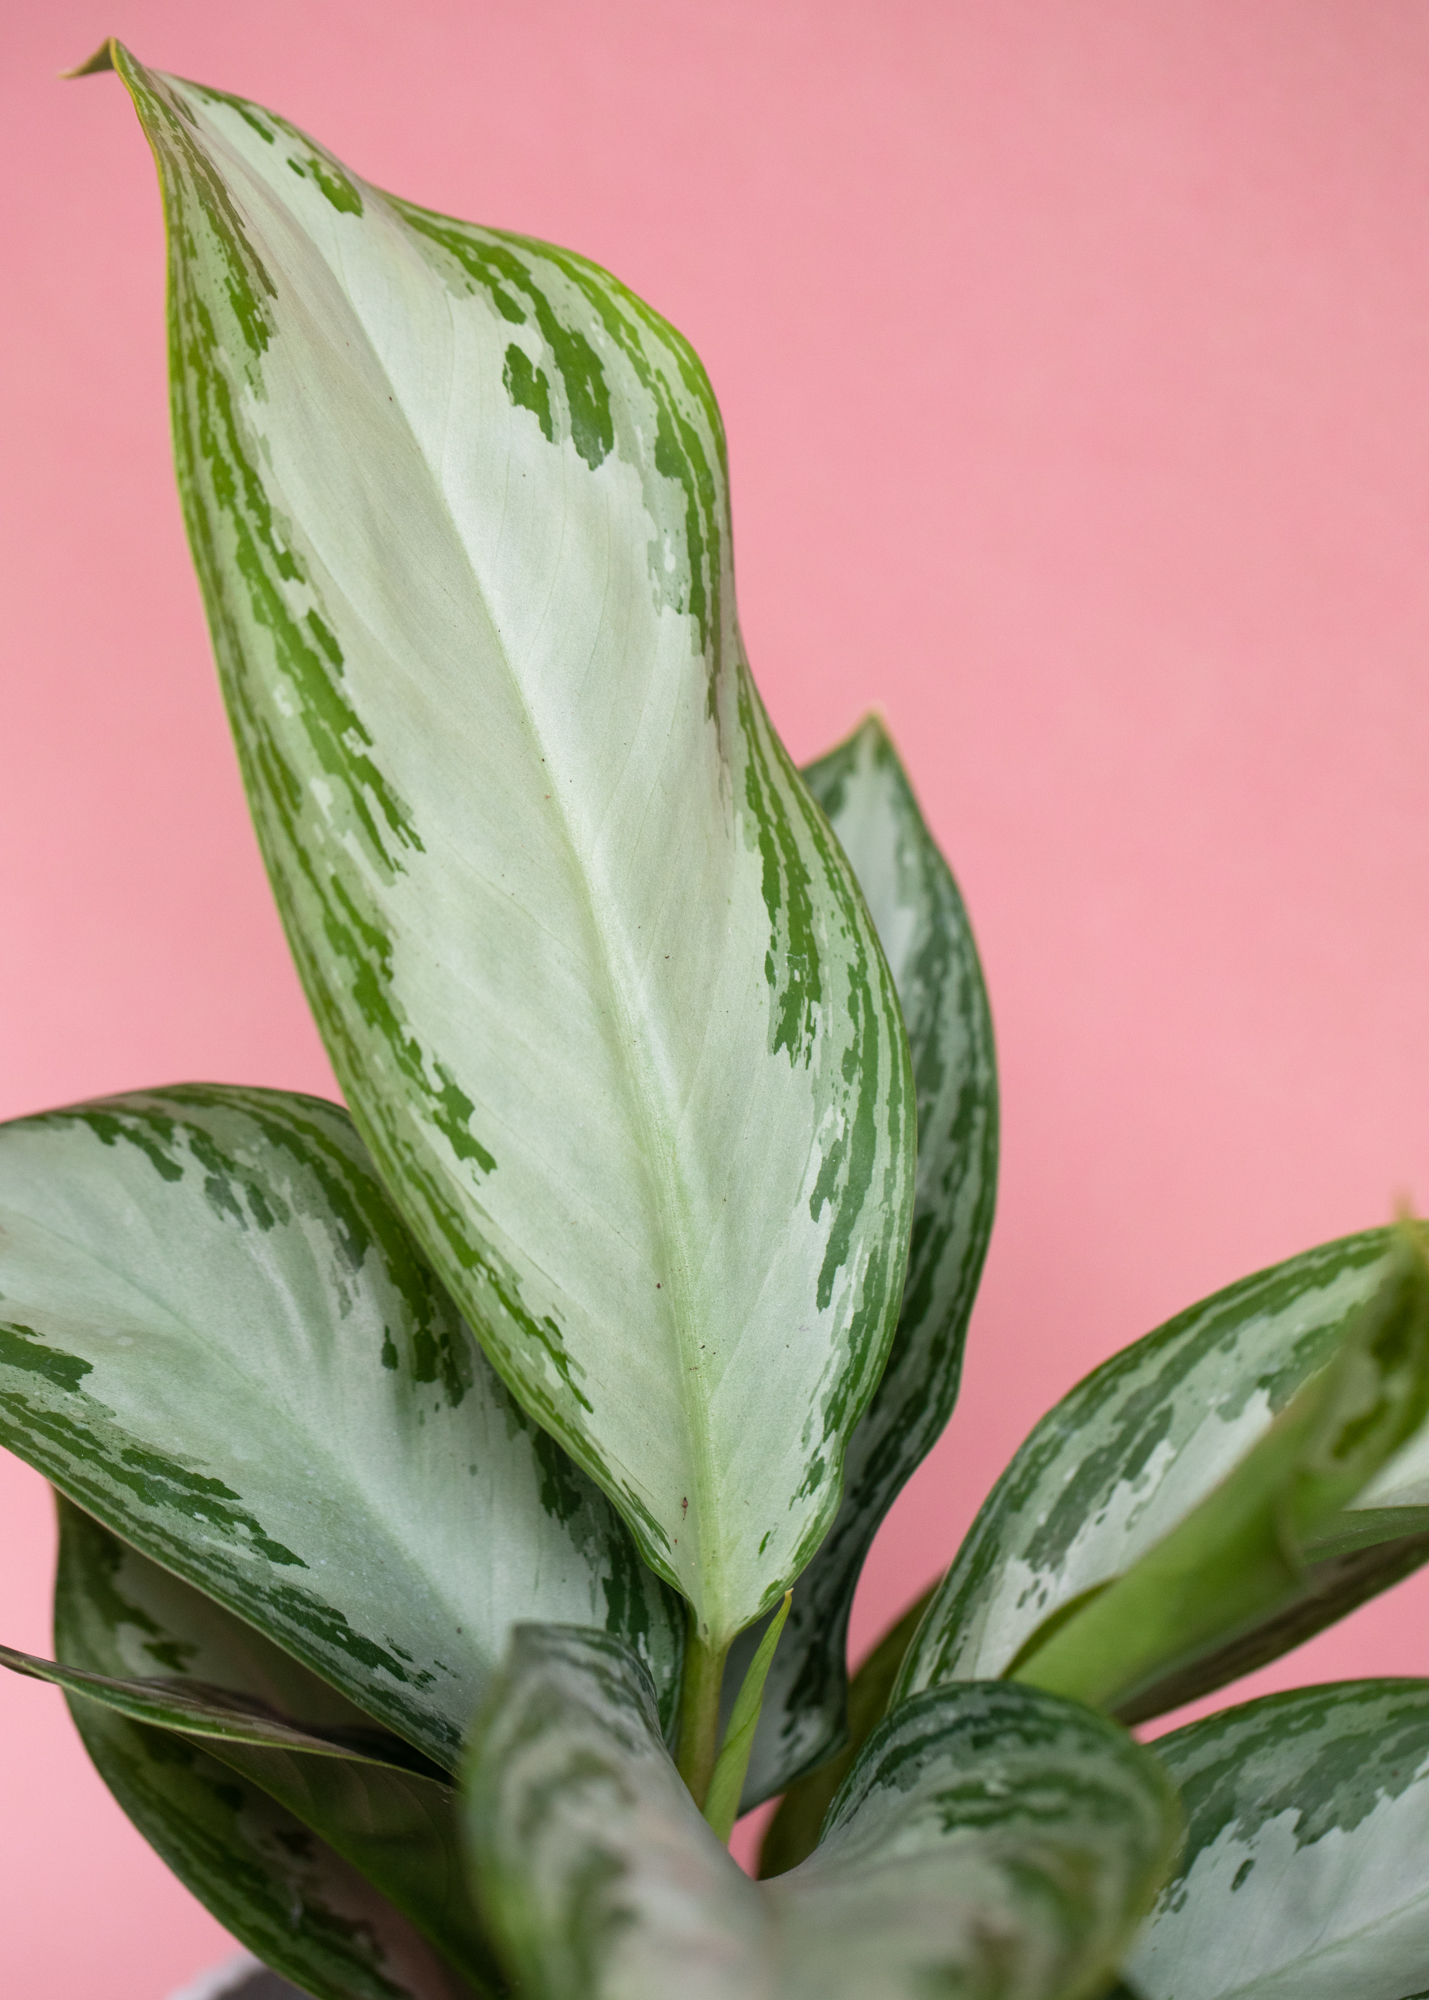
1074, 362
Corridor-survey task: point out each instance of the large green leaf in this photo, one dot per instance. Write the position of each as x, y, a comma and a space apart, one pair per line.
989, 1840
1139, 1444
129, 1624
1239, 1559
598, 984
217, 1336
925, 933
1305, 1874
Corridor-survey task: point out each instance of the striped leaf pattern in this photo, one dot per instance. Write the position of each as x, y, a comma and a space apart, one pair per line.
1137, 1445
217, 1336
598, 983
1303, 1875
924, 929
989, 1840
298, 1825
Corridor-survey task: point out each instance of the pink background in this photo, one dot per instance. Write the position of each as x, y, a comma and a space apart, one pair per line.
1074, 362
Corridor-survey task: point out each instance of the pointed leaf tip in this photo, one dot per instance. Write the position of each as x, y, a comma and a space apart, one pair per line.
95, 65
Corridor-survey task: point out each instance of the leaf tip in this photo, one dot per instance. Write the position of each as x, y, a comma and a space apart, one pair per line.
95, 65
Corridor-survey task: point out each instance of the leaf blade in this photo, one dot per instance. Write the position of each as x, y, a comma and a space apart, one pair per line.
989, 1839
1303, 1871
217, 1336
1240, 1558
1129, 1452
395, 1827
923, 926
612, 950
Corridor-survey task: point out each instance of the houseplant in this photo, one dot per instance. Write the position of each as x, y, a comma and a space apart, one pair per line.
457, 502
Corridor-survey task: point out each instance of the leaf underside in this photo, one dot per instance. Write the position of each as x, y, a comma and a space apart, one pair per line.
597, 982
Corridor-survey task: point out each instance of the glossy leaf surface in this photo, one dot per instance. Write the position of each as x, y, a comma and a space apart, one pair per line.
1303, 1875
1141, 1442
599, 986
1240, 1557
116, 1612
217, 1336
989, 1839
925, 934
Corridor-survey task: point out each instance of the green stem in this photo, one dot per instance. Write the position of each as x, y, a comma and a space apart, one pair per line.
699, 1712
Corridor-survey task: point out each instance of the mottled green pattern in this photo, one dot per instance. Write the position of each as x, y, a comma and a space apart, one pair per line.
1303, 1874
115, 1613
281, 1891
990, 1841
925, 934
1132, 1449
1247, 1552
793, 1833
218, 1337
596, 981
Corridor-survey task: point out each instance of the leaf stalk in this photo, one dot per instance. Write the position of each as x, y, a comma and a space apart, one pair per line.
699, 1711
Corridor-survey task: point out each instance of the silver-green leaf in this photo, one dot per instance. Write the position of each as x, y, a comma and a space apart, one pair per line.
1142, 1441
1305, 1874
119, 1616
925, 934
989, 1839
218, 1337
597, 982
1247, 1553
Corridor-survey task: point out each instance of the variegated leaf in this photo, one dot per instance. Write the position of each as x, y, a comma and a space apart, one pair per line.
1137, 1445
1305, 1874
1238, 1560
289, 1897
598, 983
117, 1614
925, 933
793, 1832
217, 1336
989, 1839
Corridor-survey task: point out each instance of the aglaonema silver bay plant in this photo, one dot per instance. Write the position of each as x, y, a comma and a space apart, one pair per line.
462, 1492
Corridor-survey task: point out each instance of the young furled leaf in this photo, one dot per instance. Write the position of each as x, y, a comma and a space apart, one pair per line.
1303, 1874
116, 1612
924, 931
1139, 1444
218, 1337
597, 981
989, 1839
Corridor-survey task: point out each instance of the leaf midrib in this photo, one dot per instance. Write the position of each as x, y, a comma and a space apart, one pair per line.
650, 1115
